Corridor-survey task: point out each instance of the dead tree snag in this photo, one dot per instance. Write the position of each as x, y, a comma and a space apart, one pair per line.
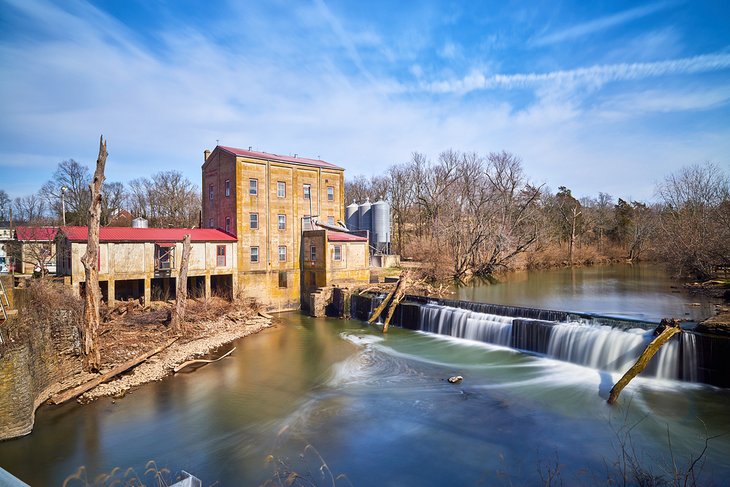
178, 316
90, 259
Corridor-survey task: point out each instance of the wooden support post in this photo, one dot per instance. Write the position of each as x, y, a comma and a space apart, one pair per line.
92, 297
666, 330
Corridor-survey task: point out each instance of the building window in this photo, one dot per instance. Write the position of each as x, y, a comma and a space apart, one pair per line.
313, 253
210, 223
282, 253
330, 193
228, 224
338, 252
282, 278
281, 189
220, 253
253, 187
164, 256
307, 191
210, 192
307, 223
254, 254
330, 220
282, 222
254, 221
228, 188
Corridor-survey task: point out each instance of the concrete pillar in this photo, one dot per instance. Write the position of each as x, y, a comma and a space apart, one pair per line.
147, 291
207, 286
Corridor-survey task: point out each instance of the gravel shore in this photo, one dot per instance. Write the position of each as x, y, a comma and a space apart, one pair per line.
162, 364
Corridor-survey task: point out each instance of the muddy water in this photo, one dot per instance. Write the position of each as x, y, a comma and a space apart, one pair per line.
318, 395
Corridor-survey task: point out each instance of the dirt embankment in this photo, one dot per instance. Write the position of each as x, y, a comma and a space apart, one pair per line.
130, 332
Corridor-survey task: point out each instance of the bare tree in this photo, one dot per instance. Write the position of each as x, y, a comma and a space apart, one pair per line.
112, 201
4, 205
166, 199
75, 178
694, 222
30, 209
400, 195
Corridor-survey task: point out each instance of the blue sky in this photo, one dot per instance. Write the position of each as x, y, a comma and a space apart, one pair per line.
596, 96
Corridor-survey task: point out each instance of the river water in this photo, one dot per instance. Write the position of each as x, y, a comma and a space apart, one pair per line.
325, 397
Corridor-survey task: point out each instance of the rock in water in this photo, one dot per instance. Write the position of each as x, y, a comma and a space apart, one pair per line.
456, 379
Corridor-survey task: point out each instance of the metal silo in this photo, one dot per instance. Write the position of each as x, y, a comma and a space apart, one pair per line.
366, 217
139, 222
380, 212
352, 217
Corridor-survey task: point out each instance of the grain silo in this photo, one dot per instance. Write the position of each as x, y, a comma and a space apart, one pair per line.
380, 238
352, 217
365, 217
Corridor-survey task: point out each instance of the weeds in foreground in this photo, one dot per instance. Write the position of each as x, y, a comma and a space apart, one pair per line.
153, 476
309, 469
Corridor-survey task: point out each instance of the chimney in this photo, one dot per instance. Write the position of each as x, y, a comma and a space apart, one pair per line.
206, 155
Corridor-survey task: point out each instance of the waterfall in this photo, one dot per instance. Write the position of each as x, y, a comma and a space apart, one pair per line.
467, 324
599, 346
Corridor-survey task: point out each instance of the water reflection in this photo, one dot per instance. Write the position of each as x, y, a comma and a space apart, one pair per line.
379, 409
643, 292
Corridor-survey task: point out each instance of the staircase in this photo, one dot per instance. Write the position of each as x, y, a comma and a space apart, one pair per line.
5, 311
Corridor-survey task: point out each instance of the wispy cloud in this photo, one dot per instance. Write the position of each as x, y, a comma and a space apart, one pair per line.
593, 75
601, 24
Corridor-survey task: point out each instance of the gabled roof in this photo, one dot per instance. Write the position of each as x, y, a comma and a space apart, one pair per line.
276, 157
344, 237
39, 234
127, 234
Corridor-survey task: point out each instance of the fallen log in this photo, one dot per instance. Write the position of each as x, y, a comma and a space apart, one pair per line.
393, 304
77, 391
379, 310
666, 330
201, 361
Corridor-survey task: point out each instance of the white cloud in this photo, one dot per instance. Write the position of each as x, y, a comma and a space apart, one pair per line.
601, 24
593, 76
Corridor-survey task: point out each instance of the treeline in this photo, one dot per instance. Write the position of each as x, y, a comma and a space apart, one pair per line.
466, 215
166, 199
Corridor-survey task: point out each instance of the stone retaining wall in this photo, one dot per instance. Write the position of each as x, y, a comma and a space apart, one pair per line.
33, 360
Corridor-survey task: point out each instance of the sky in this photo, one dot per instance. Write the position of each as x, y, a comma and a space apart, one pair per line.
599, 96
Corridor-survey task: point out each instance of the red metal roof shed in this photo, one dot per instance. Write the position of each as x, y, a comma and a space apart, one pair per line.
344, 237
127, 234
38, 234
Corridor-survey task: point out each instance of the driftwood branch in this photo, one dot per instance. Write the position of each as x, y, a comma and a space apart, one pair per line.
666, 330
77, 391
381, 307
201, 361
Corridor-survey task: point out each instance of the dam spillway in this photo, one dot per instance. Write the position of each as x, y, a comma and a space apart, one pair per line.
598, 342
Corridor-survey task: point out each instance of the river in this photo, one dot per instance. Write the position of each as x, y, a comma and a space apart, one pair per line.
315, 396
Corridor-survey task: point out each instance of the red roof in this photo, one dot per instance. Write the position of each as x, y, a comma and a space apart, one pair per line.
45, 234
344, 237
127, 234
276, 157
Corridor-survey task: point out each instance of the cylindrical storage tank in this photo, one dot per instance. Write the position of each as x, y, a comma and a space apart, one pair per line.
352, 217
381, 222
366, 217
139, 222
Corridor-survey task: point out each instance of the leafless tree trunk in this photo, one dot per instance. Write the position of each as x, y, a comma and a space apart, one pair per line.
92, 297
178, 317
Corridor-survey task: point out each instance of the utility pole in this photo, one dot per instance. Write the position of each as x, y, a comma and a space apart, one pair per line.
63, 203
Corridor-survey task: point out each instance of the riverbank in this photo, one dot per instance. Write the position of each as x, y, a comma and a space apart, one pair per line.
41, 353
214, 334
